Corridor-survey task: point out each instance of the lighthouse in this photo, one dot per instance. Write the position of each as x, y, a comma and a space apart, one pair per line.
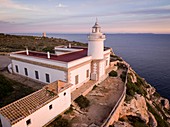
96, 42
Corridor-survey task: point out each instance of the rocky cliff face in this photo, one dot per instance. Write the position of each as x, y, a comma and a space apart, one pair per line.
143, 106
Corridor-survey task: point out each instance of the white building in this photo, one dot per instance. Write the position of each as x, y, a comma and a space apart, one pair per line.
69, 65
75, 65
38, 108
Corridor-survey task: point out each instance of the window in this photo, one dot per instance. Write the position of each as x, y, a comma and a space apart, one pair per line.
76, 79
16, 67
106, 62
47, 78
51, 106
28, 122
87, 73
36, 75
26, 71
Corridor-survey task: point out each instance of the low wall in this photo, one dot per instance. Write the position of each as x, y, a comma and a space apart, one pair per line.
114, 114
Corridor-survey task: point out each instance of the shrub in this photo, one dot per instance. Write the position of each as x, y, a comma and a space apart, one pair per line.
94, 87
123, 76
121, 66
134, 87
60, 122
160, 121
136, 121
113, 73
82, 101
69, 110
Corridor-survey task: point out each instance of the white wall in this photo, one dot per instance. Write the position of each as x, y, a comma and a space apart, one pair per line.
107, 57
44, 115
53, 73
102, 66
5, 122
81, 71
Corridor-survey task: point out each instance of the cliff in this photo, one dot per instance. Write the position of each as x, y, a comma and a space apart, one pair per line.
143, 106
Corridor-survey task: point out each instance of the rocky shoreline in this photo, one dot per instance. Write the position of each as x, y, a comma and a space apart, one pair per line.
145, 107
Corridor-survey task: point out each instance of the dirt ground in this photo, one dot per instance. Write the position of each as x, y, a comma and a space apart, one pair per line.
102, 100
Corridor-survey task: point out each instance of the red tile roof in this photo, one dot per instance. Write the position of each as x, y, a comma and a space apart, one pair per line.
65, 57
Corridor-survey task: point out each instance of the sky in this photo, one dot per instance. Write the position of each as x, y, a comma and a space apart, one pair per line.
78, 16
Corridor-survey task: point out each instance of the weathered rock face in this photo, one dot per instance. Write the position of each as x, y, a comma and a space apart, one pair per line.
133, 76
165, 102
136, 107
122, 124
152, 120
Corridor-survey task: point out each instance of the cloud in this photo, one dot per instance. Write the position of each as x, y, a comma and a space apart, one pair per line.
12, 5
61, 5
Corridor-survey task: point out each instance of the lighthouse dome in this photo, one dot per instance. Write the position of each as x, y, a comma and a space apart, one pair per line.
96, 25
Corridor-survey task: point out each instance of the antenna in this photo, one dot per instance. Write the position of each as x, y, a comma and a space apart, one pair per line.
96, 20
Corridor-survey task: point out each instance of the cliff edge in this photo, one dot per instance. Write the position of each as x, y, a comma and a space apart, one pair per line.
143, 106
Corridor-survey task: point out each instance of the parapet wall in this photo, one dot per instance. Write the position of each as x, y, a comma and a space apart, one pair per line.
114, 114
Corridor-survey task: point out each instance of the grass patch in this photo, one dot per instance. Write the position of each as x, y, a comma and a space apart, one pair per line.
60, 122
12, 90
82, 101
113, 73
160, 121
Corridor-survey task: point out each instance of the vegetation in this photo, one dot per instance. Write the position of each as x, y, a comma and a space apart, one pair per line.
161, 122
113, 73
121, 66
69, 110
82, 101
94, 87
10, 43
60, 122
115, 58
133, 88
123, 76
136, 121
12, 90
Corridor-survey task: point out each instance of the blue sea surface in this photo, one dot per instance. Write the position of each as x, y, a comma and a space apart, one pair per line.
148, 55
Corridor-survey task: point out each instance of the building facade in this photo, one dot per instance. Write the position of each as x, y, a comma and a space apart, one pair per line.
75, 65
67, 69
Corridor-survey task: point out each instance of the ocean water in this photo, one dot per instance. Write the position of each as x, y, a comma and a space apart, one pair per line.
148, 55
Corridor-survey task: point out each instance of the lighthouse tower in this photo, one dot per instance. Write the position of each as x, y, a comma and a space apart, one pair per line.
96, 42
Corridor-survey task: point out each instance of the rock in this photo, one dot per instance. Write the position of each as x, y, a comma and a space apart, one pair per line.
152, 120
93, 125
165, 103
121, 124
84, 125
133, 76
136, 107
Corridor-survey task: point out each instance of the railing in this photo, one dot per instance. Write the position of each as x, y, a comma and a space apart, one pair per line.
117, 104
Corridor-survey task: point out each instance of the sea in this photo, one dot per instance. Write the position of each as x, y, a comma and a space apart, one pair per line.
148, 54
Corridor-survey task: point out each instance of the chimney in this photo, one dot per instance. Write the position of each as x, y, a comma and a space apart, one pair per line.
69, 46
48, 55
27, 53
